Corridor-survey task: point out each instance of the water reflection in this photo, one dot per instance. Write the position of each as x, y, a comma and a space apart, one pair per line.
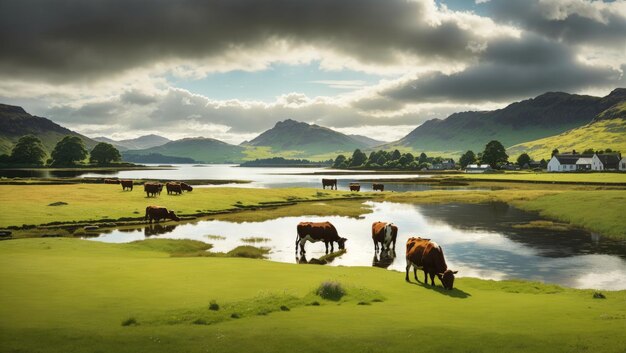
478, 240
156, 229
383, 258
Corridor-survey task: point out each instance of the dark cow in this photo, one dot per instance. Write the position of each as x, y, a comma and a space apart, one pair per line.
378, 187
329, 182
127, 184
111, 181
428, 256
158, 213
385, 234
318, 231
355, 187
186, 187
152, 189
173, 188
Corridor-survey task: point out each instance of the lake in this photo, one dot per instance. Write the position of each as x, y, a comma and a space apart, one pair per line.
258, 177
479, 240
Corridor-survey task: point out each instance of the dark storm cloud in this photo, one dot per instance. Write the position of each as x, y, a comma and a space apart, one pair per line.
573, 21
77, 39
510, 69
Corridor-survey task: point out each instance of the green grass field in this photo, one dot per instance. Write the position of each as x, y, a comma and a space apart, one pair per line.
548, 177
69, 295
29, 204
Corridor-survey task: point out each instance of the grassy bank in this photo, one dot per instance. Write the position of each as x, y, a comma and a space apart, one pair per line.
30, 204
591, 178
63, 295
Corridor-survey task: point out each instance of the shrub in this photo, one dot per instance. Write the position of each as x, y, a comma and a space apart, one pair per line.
235, 315
199, 322
284, 308
598, 295
248, 252
331, 291
214, 306
131, 321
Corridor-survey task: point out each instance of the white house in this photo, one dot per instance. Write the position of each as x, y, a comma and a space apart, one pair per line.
477, 168
584, 164
605, 162
563, 163
622, 164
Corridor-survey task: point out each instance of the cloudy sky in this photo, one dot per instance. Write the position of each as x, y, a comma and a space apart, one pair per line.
233, 68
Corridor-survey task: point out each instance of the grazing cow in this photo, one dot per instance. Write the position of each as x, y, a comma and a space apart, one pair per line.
378, 187
318, 231
384, 233
329, 182
158, 213
186, 187
127, 184
355, 187
152, 189
428, 255
173, 188
111, 181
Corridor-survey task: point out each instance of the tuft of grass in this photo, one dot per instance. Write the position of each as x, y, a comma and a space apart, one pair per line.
58, 203
131, 321
598, 295
363, 303
315, 303
255, 240
215, 237
235, 316
214, 306
284, 308
248, 251
174, 247
331, 290
200, 322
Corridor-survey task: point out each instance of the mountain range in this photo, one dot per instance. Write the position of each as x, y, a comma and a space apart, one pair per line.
537, 125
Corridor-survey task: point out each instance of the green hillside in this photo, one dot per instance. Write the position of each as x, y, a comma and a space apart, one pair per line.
15, 122
597, 135
546, 115
201, 149
302, 140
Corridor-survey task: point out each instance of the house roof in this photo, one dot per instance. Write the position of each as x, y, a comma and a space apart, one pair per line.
609, 160
571, 158
478, 166
584, 161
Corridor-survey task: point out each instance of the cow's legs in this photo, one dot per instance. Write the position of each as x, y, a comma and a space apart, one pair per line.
302, 241
375, 246
326, 243
297, 241
425, 277
408, 267
432, 279
415, 273
332, 246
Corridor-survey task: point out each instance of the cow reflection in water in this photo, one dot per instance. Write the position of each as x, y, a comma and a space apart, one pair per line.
384, 259
156, 229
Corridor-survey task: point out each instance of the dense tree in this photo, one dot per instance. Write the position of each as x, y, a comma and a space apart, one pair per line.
382, 159
339, 160
396, 155
358, 158
467, 158
68, 151
555, 151
544, 164
588, 151
28, 150
423, 158
523, 160
403, 160
409, 157
494, 154
104, 153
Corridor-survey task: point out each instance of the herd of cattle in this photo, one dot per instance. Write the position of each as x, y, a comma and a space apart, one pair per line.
152, 189
332, 183
421, 253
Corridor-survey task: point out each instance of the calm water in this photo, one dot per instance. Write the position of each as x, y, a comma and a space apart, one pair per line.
478, 240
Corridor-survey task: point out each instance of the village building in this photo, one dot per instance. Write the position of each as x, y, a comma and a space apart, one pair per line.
584, 162
446, 164
622, 164
478, 168
605, 162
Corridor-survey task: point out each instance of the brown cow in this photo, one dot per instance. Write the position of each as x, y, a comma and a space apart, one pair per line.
111, 181
384, 233
186, 187
127, 184
173, 188
355, 187
318, 231
158, 213
152, 189
378, 187
329, 182
428, 255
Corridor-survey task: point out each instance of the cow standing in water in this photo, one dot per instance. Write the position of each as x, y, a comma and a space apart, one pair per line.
428, 255
355, 187
378, 187
318, 231
158, 213
385, 234
329, 182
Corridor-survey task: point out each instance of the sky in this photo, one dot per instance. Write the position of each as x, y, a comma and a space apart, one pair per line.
231, 69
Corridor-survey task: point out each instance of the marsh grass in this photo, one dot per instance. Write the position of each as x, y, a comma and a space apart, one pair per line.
255, 240
131, 321
330, 290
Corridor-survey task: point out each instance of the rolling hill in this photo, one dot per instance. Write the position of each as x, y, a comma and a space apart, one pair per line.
607, 130
547, 115
15, 122
139, 143
304, 140
367, 141
200, 149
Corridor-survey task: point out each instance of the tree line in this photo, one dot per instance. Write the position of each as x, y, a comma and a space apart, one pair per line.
493, 155
69, 151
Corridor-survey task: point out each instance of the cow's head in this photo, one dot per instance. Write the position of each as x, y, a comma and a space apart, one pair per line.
447, 279
342, 243
171, 215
